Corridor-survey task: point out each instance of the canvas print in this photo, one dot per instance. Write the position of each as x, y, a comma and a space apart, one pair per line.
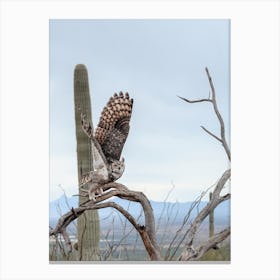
139, 140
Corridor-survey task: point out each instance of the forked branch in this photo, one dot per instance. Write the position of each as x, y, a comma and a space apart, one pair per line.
189, 252
147, 231
195, 254
213, 100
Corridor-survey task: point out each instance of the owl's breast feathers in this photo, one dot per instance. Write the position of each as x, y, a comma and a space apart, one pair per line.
113, 127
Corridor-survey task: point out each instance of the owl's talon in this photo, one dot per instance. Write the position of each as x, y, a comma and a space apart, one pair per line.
100, 191
92, 197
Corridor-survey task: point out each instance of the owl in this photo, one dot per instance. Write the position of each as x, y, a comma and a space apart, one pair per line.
107, 142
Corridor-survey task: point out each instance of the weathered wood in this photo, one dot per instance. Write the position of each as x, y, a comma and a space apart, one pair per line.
195, 254
188, 251
213, 100
222, 125
146, 231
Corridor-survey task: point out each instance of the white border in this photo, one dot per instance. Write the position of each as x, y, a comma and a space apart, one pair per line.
254, 130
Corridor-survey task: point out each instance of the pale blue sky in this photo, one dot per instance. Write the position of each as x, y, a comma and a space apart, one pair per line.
154, 60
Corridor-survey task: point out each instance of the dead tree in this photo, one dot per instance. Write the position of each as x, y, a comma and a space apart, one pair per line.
190, 253
147, 231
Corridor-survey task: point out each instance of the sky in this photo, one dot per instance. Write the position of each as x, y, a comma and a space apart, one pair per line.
155, 61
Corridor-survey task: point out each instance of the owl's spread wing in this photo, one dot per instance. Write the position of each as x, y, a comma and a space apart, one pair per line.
113, 127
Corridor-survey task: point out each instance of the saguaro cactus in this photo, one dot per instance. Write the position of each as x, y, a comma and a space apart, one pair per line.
211, 218
88, 223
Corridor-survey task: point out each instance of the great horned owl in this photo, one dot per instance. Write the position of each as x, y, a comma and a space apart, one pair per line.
107, 142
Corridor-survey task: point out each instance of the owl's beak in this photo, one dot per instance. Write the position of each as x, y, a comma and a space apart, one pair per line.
122, 159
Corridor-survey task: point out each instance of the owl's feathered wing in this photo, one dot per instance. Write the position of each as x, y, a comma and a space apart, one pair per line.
109, 137
113, 127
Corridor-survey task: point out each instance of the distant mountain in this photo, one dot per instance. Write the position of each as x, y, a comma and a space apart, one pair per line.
175, 211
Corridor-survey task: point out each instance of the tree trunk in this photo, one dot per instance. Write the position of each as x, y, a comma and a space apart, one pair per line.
88, 223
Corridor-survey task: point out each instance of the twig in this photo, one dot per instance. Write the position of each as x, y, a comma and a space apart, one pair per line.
212, 134
196, 203
196, 101
164, 206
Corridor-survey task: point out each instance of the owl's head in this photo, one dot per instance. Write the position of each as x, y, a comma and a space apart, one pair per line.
117, 169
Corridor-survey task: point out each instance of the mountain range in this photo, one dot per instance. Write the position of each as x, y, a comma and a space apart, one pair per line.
175, 211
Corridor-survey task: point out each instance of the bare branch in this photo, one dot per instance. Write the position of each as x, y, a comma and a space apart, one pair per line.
146, 232
164, 206
222, 181
211, 205
212, 134
195, 255
225, 197
213, 100
114, 247
169, 256
222, 125
195, 101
